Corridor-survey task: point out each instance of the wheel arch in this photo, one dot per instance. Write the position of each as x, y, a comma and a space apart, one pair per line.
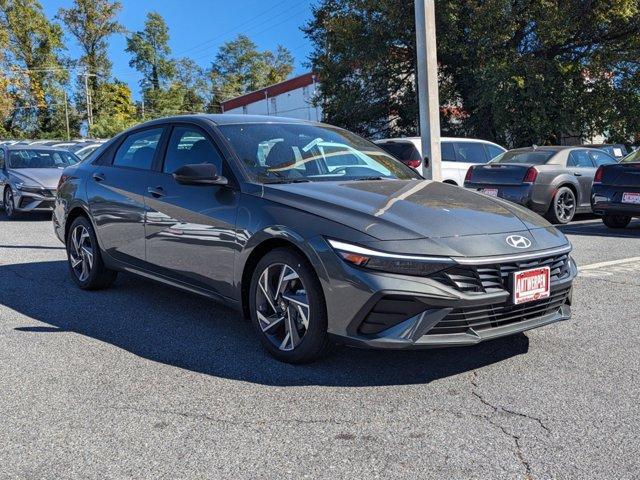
77, 210
261, 244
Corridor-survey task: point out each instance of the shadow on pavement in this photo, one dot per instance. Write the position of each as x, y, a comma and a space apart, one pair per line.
175, 328
595, 228
27, 217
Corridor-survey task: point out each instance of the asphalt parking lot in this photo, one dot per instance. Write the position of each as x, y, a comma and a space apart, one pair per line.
142, 381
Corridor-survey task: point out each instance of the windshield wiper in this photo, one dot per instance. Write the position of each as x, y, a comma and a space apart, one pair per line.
287, 180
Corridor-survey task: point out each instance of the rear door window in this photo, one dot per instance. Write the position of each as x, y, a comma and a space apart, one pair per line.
581, 159
471, 152
138, 149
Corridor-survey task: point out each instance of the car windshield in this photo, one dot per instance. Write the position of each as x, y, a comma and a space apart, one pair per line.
33, 158
632, 157
529, 157
279, 153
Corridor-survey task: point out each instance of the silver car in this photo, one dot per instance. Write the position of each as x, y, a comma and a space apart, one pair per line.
29, 177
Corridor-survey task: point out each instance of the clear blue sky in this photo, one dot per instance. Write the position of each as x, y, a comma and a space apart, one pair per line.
198, 27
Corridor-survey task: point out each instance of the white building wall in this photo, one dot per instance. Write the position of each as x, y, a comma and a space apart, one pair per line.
296, 103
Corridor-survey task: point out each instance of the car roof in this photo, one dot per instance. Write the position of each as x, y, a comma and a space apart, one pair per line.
546, 148
442, 139
227, 119
38, 147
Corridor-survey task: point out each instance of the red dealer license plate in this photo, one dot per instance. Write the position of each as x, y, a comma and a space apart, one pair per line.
531, 285
630, 197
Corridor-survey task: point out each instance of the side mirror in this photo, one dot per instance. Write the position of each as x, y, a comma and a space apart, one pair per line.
199, 174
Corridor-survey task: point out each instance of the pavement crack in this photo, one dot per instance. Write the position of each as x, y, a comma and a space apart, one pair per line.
497, 408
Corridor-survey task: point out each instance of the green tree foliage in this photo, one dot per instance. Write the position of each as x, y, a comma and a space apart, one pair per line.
34, 58
192, 80
514, 71
239, 67
92, 22
118, 110
150, 50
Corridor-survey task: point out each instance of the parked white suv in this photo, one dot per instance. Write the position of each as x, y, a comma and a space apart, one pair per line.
458, 154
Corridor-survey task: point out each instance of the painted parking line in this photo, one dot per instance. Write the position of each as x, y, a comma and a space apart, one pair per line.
614, 267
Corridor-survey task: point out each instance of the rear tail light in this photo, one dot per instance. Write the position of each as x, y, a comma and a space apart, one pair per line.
413, 163
467, 177
530, 176
598, 176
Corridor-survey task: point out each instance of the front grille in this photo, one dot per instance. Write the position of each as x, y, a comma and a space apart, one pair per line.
48, 193
481, 318
494, 278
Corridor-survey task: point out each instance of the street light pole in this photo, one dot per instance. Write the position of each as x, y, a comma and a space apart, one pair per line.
428, 98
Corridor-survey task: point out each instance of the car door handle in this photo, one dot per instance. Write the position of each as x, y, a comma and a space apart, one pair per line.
577, 174
98, 177
156, 191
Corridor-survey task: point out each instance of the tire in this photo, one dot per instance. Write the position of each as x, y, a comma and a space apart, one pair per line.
9, 203
563, 206
616, 221
288, 275
88, 274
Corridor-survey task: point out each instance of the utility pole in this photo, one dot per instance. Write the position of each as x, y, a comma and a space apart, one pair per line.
428, 98
88, 100
66, 115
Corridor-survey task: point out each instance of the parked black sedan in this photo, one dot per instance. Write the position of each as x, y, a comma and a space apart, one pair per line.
313, 232
552, 181
616, 192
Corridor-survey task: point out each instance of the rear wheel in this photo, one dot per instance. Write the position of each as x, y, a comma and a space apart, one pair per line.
616, 221
9, 203
287, 307
85, 260
563, 206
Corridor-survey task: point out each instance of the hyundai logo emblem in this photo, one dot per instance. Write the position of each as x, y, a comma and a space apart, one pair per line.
518, 241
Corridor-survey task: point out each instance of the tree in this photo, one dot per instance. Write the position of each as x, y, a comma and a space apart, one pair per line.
92, 22
150, 50
514, 71
34, 56
118, 110
192, 80
240, 68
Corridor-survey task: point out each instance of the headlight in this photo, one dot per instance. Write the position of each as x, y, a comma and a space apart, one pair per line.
414, 265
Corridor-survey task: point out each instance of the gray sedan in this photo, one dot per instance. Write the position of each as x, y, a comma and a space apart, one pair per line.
29, 177
552, 181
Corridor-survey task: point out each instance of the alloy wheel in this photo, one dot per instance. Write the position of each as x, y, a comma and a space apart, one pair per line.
81, 253
282, 306
8, 202
565, 205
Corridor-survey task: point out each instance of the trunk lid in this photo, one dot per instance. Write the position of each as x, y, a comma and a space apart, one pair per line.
499, 174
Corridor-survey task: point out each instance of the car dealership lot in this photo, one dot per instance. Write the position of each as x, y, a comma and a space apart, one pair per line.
144, 381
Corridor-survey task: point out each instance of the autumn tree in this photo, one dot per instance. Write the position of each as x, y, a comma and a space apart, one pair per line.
34, 58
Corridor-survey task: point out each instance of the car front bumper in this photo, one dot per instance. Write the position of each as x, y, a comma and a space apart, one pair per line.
608, 200
34, 202
378, 310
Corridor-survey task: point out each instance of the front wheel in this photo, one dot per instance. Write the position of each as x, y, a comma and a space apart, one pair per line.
287, 307
85, 261
9, 203
616, 221
563, 206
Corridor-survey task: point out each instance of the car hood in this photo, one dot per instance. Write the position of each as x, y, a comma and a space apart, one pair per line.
38, 177
406, 209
